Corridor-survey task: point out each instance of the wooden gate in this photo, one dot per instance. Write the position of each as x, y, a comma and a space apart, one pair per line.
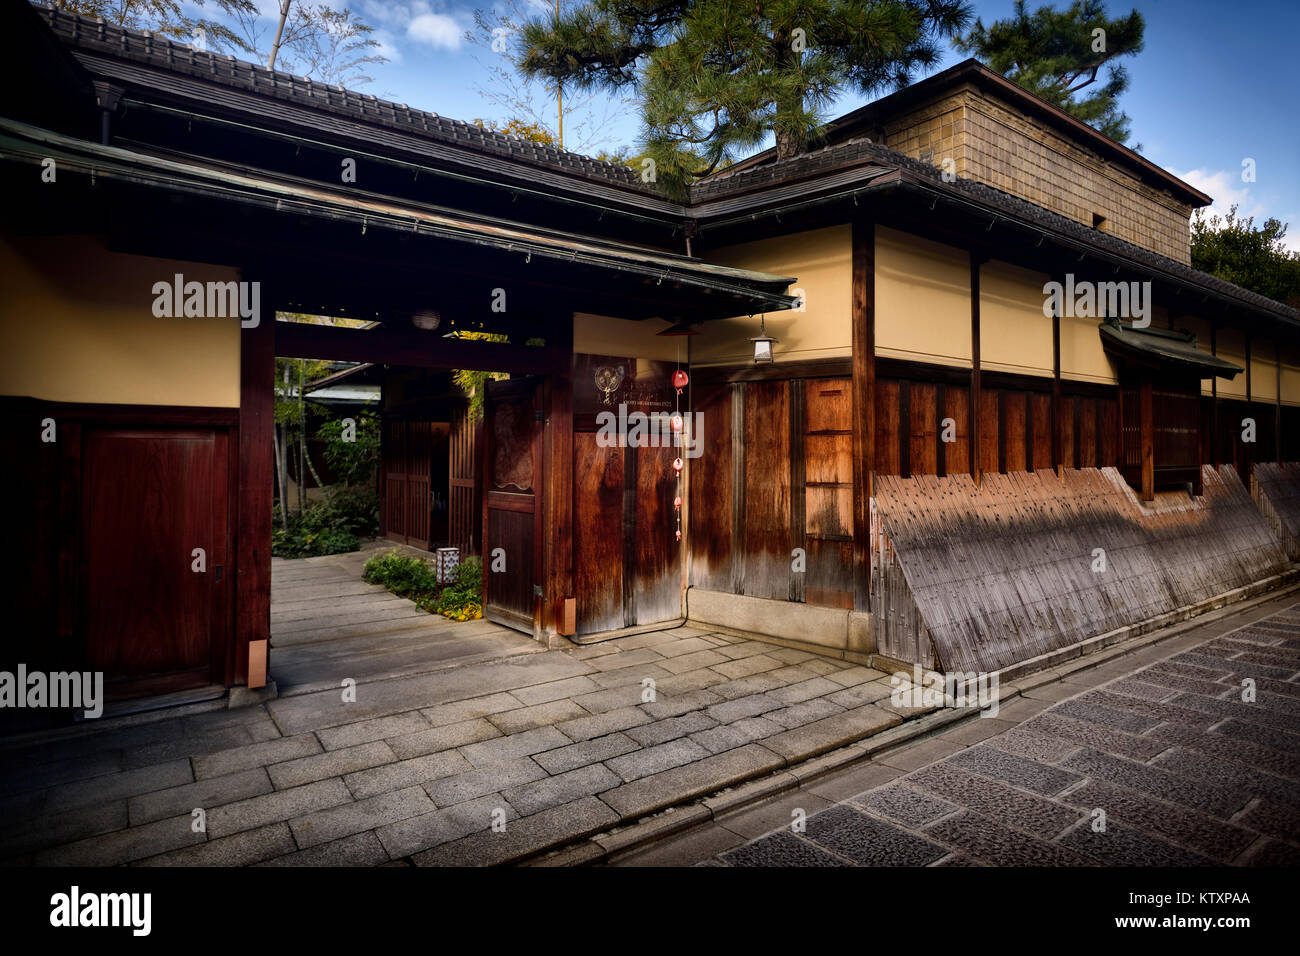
155, 564
407, 498
512, 477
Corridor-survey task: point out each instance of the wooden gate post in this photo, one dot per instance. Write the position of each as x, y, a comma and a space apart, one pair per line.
256, 489
864, 405
558, 602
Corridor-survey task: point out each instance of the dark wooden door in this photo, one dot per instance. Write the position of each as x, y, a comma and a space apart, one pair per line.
151, 497
394, 464
464, 512
408, 502
512, 484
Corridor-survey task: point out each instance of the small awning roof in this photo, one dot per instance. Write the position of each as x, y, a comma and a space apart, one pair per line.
1167, 349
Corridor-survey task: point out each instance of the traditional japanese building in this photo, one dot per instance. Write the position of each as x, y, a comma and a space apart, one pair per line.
1003, 415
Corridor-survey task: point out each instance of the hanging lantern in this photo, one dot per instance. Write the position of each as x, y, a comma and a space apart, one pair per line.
680, 379
762, 343
678, 464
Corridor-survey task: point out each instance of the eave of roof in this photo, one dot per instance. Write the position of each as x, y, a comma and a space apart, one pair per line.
1163, 348
33, 145
97, 43
859, 167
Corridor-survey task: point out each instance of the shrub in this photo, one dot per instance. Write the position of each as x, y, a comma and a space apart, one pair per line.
356, 509
404, 575
310, 533
413, 578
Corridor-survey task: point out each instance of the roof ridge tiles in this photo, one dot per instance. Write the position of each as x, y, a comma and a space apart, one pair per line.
144, 45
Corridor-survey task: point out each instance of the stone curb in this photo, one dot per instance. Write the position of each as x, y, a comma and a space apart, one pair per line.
624, 840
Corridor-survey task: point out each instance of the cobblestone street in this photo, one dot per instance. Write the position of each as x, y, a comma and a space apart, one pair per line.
1159, 741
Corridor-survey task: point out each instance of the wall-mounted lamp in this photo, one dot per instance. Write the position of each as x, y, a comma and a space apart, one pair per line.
427, 320
762, 342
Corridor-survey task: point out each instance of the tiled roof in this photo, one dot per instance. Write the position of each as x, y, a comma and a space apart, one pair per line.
863, 152
759, 175
99, 36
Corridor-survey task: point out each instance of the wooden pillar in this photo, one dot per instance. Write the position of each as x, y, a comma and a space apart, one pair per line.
255, 491
1057, 453
974, 419
798, 485
1214, 401
558, 603
864, 405
1146, 429
1277, 402
1248, 453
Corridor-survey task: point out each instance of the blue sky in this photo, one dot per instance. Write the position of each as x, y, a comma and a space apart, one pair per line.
1215, 85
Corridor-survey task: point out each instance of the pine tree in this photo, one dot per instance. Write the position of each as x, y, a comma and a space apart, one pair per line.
1055, 54
715, 78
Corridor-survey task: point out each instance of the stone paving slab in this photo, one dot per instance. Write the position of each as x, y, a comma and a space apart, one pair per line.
563, 744
1109, 773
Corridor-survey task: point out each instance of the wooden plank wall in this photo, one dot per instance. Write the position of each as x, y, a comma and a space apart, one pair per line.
1277, 492
776, 474
900, 629
465, 503
1015, 429
1004, 572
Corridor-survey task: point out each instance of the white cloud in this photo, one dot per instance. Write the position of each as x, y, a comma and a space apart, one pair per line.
438, 30
1226, 188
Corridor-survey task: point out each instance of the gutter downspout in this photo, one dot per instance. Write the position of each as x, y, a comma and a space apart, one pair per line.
107, 97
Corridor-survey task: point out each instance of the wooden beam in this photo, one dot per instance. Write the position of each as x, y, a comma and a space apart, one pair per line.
940, 446
253, 500
798, 486
1247, 453
1056, 394
738, 399
1146, 430
1277, 401
975, 389
1249, 397
557, 505
864, 404
905, 429
1214, 401
422, 349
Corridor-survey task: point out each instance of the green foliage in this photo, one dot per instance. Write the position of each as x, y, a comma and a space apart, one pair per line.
1256, 259
466, 590
413, 578
714, 78
355, 509
315, 531
1057, 53
354, 462
403, 574
537, 133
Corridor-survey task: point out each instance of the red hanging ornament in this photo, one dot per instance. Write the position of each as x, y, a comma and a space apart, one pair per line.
680, 380
676, 421
677, 502
678, 464
679, 535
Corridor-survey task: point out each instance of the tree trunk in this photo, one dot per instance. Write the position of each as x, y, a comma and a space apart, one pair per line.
790, 141
277, 442
302, 444
279, 33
